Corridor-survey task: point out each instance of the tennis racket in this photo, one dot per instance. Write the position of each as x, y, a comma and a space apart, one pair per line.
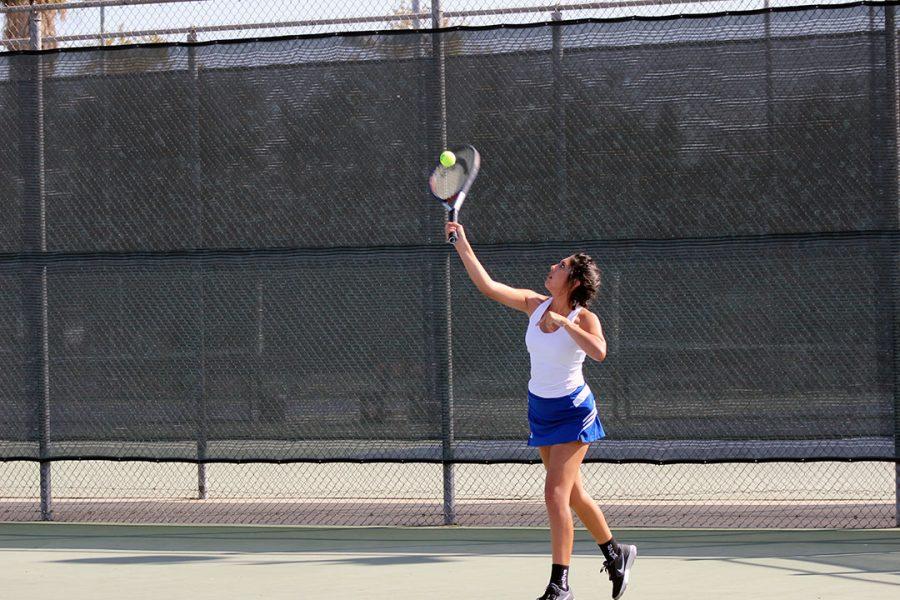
450, 185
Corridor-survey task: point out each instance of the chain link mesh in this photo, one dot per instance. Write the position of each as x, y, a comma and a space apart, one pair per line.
786, 495
209, 20
238, 264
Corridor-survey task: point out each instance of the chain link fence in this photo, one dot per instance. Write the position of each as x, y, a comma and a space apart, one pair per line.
117, 22
224, 296
814, 494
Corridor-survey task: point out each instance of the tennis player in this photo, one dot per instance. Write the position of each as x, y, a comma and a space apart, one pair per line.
562, 414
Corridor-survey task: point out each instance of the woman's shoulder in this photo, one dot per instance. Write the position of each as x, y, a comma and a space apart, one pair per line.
586, 316
534, 302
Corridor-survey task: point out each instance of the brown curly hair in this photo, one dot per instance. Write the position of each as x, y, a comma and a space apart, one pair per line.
584, 270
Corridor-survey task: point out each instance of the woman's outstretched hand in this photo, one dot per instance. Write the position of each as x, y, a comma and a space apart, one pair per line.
454, 227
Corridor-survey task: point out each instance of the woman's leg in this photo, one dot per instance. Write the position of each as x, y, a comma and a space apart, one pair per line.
589, 513
562, 464
620, 558
583, 505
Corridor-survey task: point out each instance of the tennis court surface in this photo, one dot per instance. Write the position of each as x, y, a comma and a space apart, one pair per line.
43, 561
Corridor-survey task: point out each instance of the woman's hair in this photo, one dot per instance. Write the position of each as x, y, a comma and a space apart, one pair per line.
584, 270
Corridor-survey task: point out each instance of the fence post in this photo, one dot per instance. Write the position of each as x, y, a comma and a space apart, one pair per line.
34, 236
444, 320
770, 90
194, 83
559, 108
893, 195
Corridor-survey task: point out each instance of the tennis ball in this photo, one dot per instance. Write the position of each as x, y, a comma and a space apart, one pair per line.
448, 159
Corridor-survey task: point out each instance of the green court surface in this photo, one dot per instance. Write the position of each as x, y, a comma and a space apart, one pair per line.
75, 562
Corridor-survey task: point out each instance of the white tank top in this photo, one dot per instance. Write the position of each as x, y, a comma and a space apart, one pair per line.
555, 357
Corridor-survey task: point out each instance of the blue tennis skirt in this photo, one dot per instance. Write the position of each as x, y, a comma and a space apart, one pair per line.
571, 418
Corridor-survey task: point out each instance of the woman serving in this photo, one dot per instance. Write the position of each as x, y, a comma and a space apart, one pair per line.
562, 413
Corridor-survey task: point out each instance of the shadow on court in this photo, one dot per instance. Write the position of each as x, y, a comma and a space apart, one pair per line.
836, 547
162, 559
157, 559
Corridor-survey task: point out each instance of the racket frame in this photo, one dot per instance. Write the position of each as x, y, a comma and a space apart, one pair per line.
454, 203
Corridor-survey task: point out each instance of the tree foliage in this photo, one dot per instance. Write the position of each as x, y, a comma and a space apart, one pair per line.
16, 24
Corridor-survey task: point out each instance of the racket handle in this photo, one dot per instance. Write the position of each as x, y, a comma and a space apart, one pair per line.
451, 239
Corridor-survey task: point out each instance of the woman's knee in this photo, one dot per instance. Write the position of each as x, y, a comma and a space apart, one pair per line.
556, 496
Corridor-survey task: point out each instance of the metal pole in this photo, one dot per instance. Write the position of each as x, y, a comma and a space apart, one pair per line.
880, 104
444, 369
893, 195
102, 41
512, 10
559, 106
74, 5
102, 24
35, 238
770, 91
260, 346
194, 70
416, 23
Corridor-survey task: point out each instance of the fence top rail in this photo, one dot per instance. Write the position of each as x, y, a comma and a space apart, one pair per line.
25, 8
448, 13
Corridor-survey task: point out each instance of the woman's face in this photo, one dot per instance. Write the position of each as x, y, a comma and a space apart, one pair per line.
557, 281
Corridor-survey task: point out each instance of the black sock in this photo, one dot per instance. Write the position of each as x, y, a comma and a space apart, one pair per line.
559, 575
610, 549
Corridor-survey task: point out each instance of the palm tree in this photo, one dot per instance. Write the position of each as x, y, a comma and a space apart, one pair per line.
16, 26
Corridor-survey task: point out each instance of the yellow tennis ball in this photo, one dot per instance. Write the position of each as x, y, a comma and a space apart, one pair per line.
448, 159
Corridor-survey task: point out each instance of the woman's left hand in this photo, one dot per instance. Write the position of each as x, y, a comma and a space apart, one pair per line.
553, 320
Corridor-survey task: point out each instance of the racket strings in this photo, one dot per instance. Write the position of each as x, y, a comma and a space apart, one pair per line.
447, 182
